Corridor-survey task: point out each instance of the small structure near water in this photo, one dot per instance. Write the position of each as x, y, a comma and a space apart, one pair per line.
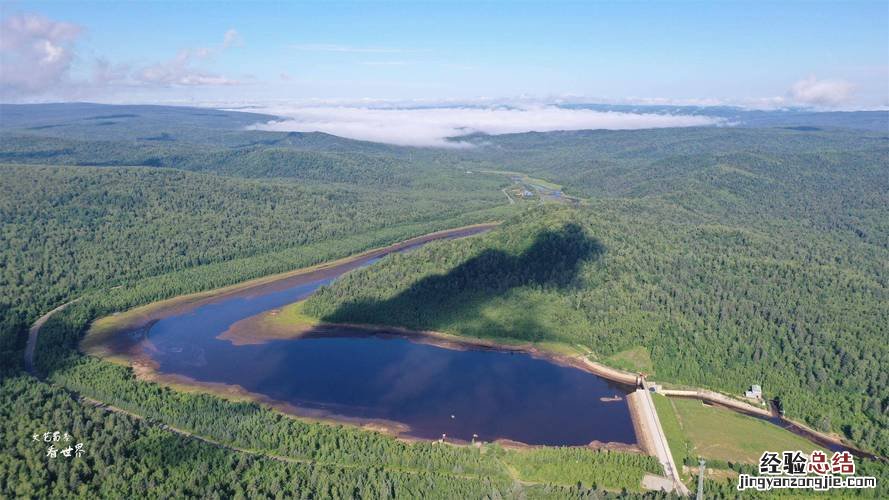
755, 392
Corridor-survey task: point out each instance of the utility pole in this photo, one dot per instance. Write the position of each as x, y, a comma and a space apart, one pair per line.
701, 480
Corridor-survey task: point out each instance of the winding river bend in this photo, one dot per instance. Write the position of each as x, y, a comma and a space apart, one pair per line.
409, 384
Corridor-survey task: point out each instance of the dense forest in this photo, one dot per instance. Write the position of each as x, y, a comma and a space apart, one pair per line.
128, 457
729, 256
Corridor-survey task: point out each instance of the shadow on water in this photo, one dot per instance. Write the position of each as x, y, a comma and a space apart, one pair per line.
553, 260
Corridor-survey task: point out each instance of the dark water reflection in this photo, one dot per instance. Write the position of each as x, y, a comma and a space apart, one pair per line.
490, 393
357, 374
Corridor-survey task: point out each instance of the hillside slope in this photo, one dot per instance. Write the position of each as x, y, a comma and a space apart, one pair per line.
713, 305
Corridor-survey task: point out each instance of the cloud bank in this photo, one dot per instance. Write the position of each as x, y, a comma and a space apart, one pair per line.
814, 92
432, 126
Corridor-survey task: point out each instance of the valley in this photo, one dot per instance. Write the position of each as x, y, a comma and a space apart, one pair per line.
205, 286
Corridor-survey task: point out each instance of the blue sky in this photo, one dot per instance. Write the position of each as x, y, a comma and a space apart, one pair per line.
829, 54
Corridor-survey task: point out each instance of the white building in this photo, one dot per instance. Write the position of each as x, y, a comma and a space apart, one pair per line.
755, 392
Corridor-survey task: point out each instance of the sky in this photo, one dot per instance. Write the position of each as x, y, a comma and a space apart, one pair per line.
326, 55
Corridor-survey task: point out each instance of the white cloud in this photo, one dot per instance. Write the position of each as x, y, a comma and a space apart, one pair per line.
431, 126
814, 92
35, 54
180, 70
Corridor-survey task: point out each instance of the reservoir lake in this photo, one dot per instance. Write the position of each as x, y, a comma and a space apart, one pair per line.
407, 383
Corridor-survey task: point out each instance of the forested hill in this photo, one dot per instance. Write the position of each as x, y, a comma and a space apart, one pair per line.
250, 160
109, 122
211, 141
165, 126
801, 309
646, 162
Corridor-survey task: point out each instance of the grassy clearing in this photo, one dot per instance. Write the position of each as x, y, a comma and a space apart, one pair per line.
542, 188
636, 359
721, 434
292, 316
526, 179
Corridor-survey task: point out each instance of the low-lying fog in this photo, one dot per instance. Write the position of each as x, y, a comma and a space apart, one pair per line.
431, 126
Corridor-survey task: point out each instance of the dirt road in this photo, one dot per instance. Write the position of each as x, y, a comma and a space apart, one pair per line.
34, 331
